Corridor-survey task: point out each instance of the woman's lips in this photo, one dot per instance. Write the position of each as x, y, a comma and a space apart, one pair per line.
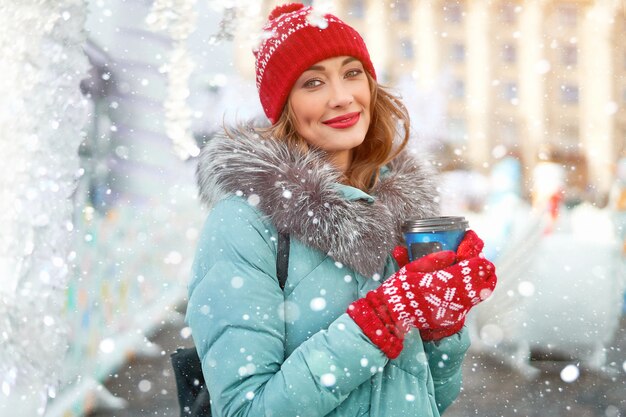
344, 121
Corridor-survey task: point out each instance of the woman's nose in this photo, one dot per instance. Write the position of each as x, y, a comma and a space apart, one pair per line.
341, 96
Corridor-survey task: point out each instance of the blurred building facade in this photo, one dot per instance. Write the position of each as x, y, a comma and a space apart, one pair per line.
540, 80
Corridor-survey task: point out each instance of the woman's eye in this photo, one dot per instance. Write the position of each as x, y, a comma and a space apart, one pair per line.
312, 83
353, 73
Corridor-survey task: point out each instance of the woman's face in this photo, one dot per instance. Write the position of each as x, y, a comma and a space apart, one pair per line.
331, 104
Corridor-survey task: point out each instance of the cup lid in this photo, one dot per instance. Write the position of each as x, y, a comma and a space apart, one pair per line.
435, 224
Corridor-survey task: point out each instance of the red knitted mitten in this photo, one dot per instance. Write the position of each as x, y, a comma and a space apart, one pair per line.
401, 255
470, 247
430, 293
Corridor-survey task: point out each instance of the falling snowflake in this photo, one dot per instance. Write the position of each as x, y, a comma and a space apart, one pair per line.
328, 380
318, 304
491, 334
145, 385
570, 373
107, 345
236, 282
185, 332
526, 288
254, 200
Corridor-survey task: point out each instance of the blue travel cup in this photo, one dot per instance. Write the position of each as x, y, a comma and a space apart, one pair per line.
433, 234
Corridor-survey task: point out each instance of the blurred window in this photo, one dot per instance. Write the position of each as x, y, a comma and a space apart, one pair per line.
457, 52
567, 15
457, 130
406, 45
509, 53
458, 89
568, 138
357, 8
452, 12
508, 13
569, 94
402, 10
508, 134
509, 90
569, 55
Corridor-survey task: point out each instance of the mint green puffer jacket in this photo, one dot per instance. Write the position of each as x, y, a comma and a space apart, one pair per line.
266, 352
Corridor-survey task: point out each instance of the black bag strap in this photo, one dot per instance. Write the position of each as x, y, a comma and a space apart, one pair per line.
282, 259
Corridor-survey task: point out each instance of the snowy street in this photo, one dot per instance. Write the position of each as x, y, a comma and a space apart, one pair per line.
490, 389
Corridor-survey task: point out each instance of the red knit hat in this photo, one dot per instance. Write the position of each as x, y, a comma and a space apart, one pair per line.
298, 38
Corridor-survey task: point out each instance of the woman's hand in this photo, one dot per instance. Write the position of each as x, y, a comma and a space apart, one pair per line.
470, 247
433, 293
436, 299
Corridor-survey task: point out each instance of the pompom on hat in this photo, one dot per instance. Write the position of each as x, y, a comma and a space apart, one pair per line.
297, 39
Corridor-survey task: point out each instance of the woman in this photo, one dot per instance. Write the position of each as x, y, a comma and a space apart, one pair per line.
335, 342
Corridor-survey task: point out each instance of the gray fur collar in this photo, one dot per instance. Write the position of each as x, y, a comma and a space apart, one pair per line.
298, 195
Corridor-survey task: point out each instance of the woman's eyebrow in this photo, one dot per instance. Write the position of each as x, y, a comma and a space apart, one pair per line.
316, 68
322, 68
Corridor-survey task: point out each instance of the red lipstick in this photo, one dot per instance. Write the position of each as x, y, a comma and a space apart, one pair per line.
344, 121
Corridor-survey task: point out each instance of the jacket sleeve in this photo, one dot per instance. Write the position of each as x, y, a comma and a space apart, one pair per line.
236, 310
445, 359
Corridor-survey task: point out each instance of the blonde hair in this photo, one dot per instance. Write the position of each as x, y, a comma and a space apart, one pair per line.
389, 120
